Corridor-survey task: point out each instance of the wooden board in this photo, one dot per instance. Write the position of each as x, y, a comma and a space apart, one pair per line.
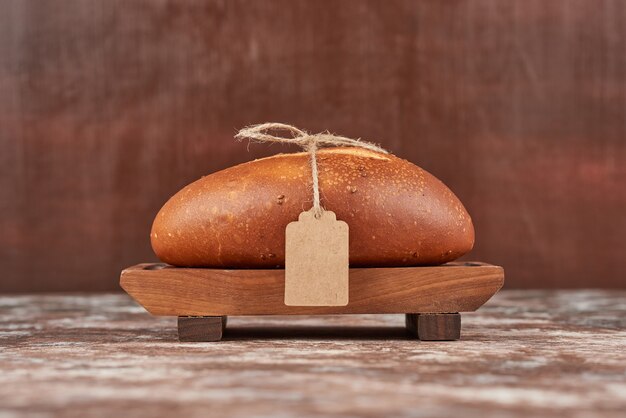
453, 287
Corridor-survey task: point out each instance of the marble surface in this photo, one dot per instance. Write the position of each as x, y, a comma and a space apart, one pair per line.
525, 353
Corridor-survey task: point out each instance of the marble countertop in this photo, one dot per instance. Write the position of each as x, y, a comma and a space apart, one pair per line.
524, 354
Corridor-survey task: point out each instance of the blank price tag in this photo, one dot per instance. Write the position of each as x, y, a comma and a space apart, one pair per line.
316, 261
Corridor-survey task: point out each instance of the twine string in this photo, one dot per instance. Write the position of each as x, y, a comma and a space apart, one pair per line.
309, 142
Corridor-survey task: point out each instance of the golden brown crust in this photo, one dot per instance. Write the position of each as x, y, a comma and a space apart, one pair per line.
398, 214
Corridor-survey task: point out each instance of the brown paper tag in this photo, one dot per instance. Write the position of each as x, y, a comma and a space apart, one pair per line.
316, 261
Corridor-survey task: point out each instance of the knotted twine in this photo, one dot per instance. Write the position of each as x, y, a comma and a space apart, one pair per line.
309, 142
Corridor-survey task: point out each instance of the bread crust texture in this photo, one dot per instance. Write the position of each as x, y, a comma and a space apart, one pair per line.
398, 214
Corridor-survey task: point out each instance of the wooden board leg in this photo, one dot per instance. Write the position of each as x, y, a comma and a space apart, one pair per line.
434, 326
201, 328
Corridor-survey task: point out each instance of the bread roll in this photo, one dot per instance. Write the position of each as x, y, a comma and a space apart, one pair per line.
398, 214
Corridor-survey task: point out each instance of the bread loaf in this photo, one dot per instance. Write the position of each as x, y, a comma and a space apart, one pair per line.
398, 214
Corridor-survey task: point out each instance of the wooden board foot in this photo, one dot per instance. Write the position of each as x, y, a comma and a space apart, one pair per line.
201, 328
434, 326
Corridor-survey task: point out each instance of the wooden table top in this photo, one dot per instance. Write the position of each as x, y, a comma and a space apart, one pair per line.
526, 353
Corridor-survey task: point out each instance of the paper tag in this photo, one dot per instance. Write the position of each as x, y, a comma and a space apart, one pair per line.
316, 261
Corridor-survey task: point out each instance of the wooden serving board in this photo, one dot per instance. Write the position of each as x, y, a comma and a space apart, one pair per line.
452, 287
201, 298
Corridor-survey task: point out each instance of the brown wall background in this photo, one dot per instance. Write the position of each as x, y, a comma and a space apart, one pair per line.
107, 108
